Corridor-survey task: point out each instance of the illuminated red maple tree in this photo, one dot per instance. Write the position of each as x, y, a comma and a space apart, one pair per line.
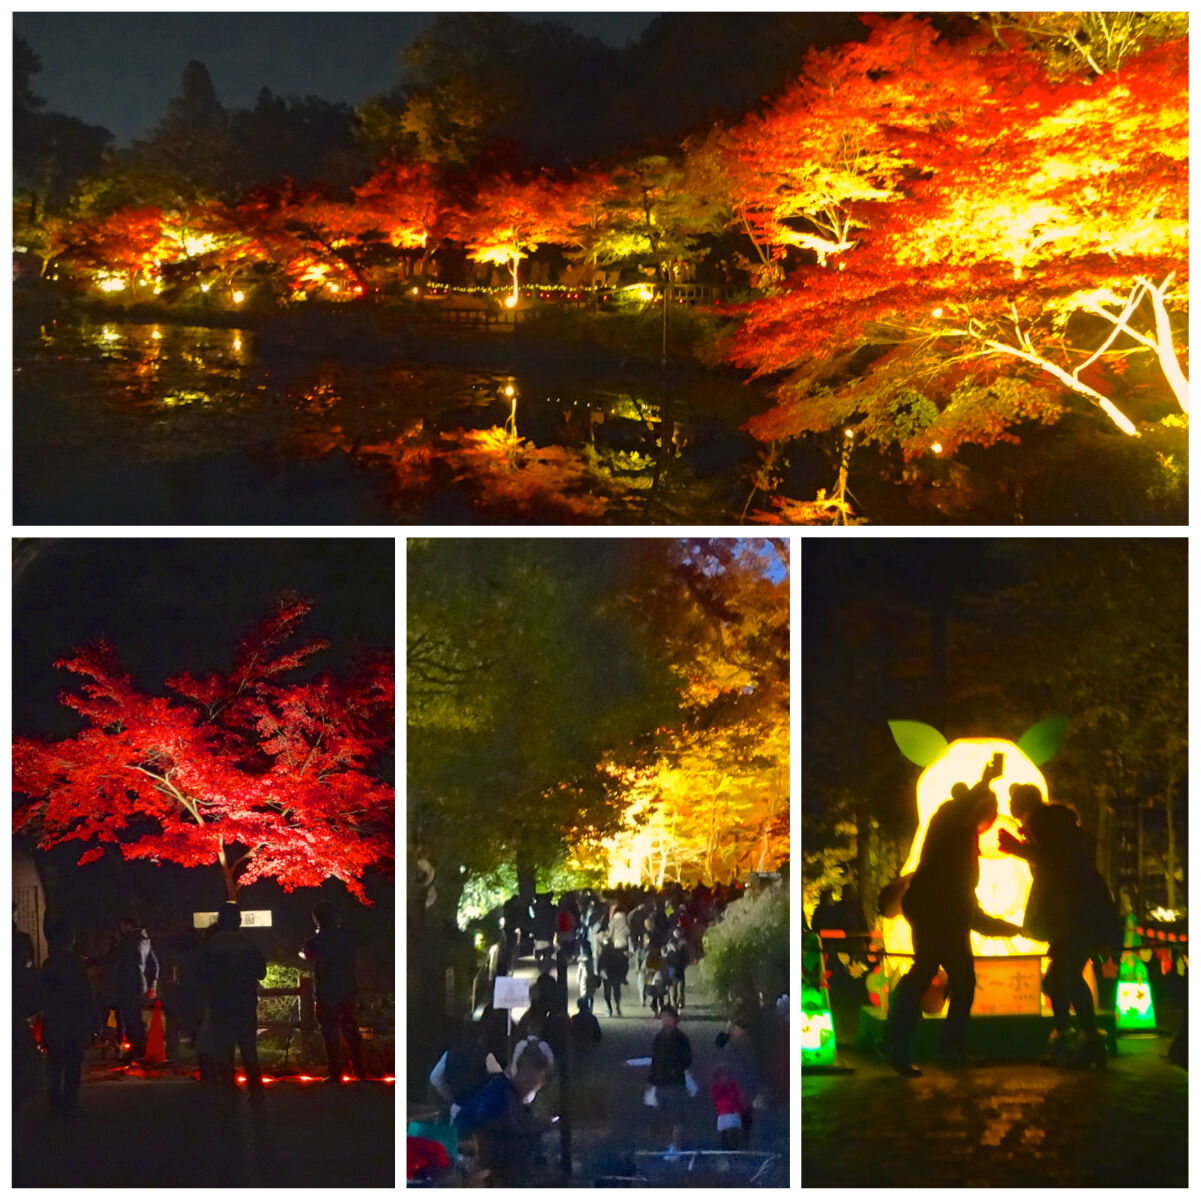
264, 778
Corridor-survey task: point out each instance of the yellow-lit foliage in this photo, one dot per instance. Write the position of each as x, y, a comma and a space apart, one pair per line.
714, 802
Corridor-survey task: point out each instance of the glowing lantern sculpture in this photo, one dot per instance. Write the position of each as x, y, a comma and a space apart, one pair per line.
1004, 879
817, 1023
1133, 1007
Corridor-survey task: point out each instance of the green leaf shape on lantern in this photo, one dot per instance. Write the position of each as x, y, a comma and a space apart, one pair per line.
1042, 740
918, 742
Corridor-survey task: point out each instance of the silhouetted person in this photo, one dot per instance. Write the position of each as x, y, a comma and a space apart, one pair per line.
613, 967
853, 921
1070, 908
517, 922
543, 924
941, 908
585, 1032
68, 1017
654, 974
331, 951
231, 967
135, 977
26, 1060
825, 915
675, 960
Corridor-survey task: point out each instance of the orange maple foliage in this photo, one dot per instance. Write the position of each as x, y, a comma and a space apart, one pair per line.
509, 219
1038, 229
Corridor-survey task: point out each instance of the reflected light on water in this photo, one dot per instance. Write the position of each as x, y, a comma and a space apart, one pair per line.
185, 396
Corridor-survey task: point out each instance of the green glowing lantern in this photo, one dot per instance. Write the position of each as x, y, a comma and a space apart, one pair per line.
817, 1029
817, 1023
1133, 1007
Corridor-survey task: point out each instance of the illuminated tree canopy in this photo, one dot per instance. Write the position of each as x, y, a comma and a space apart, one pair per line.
243, 770
995, 242
932, 234
571, 701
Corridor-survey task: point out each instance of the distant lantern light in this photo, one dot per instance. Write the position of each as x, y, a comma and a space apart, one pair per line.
936, 447
205, 287
239, 297
510, 302
936, 313
848, 434
332, 287
509, 389
156, 334
358, 289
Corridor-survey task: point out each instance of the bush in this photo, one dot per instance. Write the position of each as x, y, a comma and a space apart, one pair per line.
746, 953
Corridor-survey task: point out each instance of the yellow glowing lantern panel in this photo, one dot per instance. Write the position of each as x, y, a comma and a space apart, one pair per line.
1004, 879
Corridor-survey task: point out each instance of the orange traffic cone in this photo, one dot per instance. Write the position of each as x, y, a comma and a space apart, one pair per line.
156, 1046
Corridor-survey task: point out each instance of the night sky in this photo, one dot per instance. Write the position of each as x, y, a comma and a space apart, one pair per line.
119, 70
182, 604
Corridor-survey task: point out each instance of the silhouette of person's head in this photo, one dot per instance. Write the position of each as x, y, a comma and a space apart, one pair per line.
59, 932
1023, 800
229, 916
959, 791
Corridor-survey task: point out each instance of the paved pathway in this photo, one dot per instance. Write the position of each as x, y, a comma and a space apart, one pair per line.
610, 1120
170, 1131
1019, 1125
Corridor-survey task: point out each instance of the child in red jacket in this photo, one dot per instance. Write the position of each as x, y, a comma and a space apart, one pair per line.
728, 1103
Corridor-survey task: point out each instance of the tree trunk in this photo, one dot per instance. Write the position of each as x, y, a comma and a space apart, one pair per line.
527, 879
1170, 805
231, 885
863, 858
666, 303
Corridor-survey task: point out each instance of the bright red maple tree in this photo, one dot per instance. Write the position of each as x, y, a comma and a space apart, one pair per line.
261, 777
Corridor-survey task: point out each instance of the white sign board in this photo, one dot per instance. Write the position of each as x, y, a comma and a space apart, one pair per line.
509, 992
250, 917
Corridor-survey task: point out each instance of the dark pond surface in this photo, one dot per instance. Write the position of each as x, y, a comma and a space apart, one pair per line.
165, 424
118, 423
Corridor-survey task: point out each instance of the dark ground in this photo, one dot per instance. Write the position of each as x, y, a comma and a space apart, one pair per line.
172, 1132
1009, 1124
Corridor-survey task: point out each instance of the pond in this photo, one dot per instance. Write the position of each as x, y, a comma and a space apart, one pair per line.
119, 423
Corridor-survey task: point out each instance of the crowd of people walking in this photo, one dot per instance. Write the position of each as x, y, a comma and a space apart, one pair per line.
630, 950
